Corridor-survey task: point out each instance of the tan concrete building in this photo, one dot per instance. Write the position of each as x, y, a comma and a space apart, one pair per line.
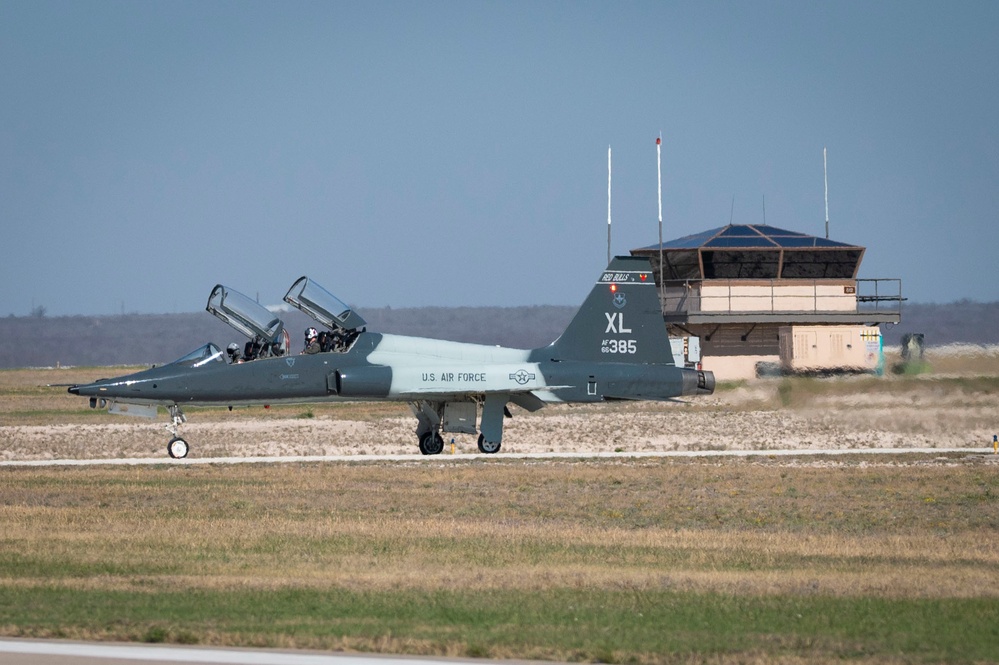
760, 298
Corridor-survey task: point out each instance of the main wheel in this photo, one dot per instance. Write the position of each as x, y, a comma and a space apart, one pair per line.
488, 447
177, 448
431, 443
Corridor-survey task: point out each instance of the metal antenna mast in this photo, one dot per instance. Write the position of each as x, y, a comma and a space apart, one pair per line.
608, 205
659, 174
825, 179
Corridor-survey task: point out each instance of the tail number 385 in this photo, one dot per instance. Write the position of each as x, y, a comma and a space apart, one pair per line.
619, 346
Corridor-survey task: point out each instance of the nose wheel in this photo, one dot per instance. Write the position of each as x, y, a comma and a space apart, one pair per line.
177, 448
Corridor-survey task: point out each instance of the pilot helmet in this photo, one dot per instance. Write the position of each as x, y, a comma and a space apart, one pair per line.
311, 333
232, 350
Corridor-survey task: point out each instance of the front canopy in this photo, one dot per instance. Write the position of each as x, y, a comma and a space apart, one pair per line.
245, 315
201, 356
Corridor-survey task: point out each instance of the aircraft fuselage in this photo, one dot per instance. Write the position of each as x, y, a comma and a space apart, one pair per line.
615, 348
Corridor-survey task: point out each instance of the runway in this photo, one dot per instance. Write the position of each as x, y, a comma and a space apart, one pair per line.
38, 652
499, 457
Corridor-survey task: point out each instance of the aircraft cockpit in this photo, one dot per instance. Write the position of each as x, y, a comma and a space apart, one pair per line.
344, 323
266, 332
200, 357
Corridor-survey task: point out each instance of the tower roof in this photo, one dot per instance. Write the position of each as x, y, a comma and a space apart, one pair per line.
755, 251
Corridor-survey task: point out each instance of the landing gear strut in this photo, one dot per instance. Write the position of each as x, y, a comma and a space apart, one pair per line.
459, 416
177, 448
428, 416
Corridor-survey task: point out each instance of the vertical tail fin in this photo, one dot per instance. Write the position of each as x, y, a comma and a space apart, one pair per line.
620, 321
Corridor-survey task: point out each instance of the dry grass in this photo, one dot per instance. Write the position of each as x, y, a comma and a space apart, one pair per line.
954, 360
867, 541
900, 530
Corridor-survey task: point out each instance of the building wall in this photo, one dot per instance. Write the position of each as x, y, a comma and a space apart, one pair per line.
736, 368
766, 296
792, 348
817, 348
724, 352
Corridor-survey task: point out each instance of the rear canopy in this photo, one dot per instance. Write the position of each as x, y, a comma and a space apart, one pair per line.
322, 305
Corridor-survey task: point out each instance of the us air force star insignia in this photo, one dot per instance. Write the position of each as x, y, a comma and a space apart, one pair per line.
620, 300
290, 361
522, 376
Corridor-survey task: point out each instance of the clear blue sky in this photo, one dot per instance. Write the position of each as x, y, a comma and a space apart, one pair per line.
455, 153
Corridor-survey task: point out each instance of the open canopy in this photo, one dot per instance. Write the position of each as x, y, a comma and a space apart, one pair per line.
245, 315
322, 305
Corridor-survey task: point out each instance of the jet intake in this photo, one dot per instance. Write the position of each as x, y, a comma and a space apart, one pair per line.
362, 382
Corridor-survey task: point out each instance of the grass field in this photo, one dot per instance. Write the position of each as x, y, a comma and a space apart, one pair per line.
625, 562
872, 559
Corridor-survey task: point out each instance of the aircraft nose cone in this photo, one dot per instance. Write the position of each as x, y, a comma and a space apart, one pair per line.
84, 389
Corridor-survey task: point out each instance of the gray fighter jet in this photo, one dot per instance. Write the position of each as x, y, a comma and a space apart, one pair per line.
615, 348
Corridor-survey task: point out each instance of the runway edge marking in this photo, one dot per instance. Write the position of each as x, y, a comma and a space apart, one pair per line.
154, 461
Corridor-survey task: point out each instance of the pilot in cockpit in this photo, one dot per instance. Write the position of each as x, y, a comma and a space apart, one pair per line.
233, 352
311, 341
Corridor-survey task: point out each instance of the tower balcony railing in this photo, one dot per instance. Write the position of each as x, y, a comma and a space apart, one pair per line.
726, 297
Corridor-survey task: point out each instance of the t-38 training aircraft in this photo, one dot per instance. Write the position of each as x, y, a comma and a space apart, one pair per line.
615, 348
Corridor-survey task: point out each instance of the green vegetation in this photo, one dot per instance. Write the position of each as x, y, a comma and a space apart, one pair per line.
565, 624
799, 391
627, 561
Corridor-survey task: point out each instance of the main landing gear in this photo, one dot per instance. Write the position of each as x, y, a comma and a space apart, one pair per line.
177, 448
431, 443
488, 447
435, 417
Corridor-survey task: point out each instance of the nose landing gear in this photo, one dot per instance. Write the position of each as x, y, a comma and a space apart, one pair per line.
177, 447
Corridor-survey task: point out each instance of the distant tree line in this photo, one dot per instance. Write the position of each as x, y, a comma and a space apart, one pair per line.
136, 339
965, 321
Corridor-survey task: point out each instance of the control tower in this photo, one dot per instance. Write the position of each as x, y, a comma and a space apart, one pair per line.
758, 299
